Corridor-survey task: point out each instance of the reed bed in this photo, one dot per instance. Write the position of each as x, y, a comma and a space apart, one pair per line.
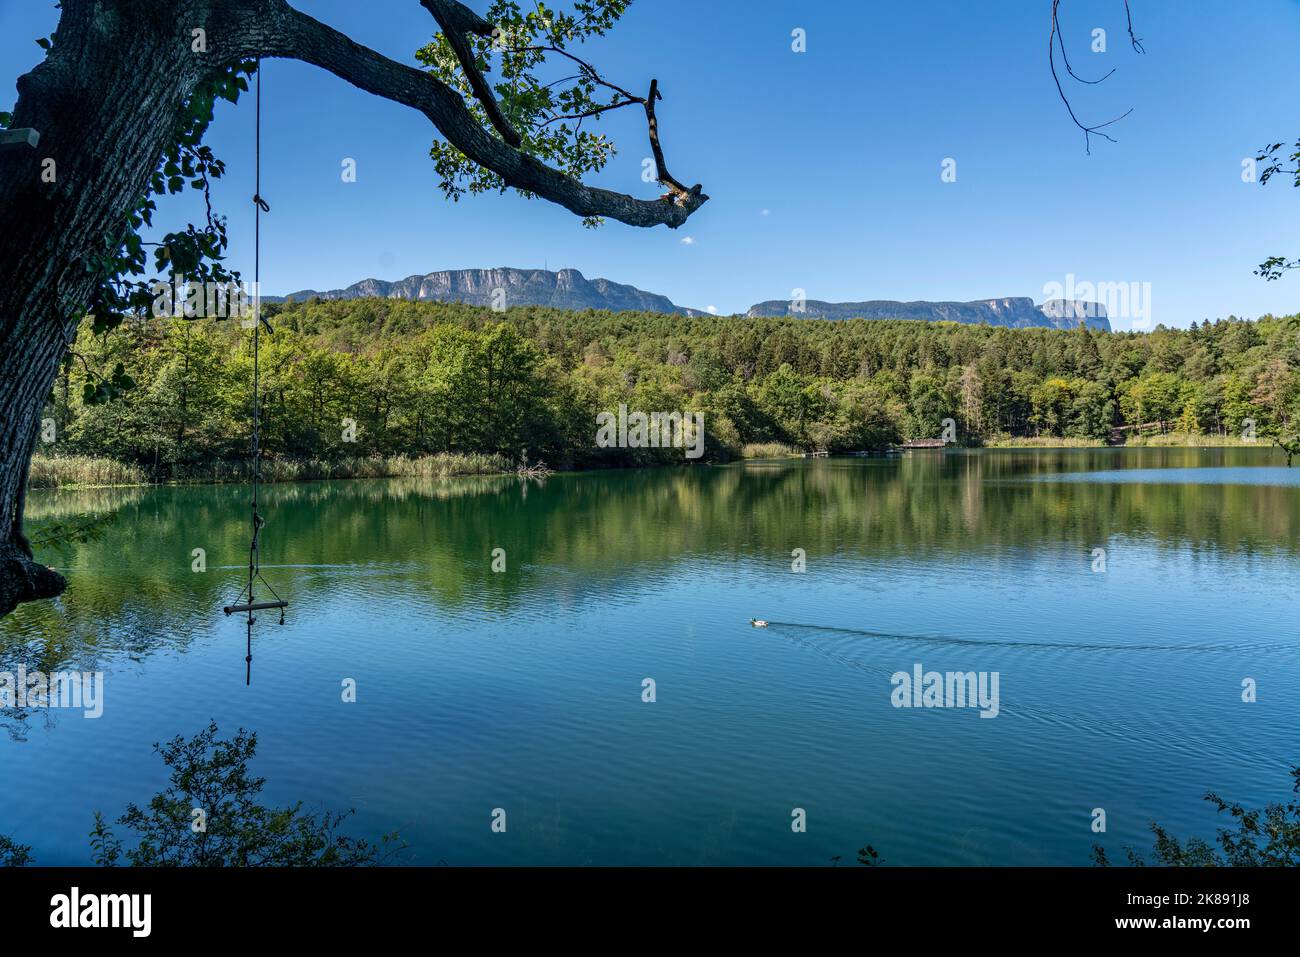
767, 450
85, 472
82, 471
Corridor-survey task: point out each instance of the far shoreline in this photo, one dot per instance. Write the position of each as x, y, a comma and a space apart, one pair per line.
53, 473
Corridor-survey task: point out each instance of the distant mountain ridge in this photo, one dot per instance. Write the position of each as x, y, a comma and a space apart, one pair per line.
569, 289
1016, 312
566, 289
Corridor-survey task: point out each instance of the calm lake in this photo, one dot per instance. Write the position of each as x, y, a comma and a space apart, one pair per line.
1120, 673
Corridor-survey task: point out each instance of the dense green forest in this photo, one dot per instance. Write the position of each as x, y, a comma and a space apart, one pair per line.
381, 377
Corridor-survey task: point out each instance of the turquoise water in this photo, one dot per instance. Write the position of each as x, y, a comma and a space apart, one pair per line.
1119, 689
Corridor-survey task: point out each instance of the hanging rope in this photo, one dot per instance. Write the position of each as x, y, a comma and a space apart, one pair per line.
249, 602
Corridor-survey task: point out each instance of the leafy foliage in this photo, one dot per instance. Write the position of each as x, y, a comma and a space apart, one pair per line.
75, 531
547, 104
193, 254
1268, 837
13, 854
211, 774
1272, 156
548, 112
1290, 446
869, 856
426, 378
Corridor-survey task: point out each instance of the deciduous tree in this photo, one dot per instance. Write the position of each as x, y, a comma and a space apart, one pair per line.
121, 104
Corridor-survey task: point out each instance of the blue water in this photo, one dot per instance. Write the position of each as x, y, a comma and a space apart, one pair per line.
1119, 689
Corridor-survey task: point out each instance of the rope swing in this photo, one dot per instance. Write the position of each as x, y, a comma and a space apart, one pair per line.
247, 601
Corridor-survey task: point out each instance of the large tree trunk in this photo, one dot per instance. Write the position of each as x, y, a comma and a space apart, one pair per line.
105, 103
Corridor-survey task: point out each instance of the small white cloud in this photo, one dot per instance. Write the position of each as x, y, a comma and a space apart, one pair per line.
711, 310
767, 212
688, 240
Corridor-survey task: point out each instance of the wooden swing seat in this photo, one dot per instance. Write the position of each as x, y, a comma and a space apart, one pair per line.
255, 606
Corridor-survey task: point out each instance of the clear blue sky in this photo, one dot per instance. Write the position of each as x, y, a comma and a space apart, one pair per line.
841, 145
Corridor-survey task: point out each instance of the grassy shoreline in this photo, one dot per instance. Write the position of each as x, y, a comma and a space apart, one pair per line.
87, 472
51, 472
769, 450
1043, 442
1167, 440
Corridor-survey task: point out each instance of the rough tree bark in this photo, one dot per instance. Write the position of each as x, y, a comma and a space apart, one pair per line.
106, 102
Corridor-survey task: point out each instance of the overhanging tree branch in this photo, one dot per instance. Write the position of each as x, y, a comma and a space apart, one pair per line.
1133, 37
295, 35
680, 192
677, 192
1055, 41
456, 20
453, 15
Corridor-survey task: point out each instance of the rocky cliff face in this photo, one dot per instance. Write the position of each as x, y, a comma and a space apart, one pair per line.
566, 289
1017, 312
1068, 313
569, 289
